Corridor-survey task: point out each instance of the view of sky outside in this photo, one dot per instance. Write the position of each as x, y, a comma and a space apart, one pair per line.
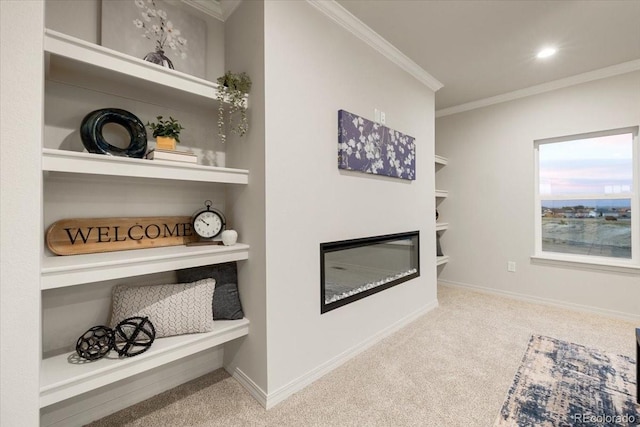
602, 165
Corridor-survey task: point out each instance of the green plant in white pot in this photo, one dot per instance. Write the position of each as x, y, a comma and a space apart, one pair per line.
233, 87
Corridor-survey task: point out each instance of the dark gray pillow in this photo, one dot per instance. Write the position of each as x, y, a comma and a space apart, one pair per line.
226, 298
226, 302
223, 273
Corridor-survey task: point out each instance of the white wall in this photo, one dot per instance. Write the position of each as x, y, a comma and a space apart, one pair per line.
490, 178
313, 68
244, 47
21, 118
304, 69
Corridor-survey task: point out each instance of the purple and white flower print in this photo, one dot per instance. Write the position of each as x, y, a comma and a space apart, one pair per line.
370, 147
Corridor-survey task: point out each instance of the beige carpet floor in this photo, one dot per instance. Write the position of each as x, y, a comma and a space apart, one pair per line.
451, 367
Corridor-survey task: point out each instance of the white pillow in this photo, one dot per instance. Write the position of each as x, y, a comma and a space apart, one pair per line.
174, 309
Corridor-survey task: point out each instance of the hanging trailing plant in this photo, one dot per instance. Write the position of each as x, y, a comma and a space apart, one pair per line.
232, 88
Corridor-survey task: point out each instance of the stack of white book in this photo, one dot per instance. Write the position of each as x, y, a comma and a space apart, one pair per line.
171, 155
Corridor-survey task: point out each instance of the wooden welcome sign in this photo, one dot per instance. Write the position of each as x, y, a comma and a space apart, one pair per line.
94, 235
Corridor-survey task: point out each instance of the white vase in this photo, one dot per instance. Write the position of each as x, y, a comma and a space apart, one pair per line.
229, 237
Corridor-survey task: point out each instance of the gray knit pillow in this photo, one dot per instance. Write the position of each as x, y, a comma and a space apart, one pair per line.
178, 309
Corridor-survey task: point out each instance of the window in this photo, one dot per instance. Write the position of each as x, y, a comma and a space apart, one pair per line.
587, 197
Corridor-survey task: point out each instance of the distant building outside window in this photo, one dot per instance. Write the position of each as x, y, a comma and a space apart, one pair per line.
587, 197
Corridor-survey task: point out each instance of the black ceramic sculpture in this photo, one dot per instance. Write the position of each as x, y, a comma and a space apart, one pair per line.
94, 142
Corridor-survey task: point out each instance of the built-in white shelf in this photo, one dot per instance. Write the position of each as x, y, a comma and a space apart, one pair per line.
61, 378
442, 259
97, 164
441, 160
89, 59
442, 226
70, 270
72, 63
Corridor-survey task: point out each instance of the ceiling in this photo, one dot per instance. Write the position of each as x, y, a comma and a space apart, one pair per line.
479, 49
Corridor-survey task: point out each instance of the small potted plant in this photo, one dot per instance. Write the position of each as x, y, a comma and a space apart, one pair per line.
166, 132
232, 88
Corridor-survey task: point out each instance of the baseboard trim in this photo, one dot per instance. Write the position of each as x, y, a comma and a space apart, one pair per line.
249, 385
546, 301
278, 396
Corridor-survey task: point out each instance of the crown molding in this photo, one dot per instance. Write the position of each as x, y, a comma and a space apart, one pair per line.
614, 70
345, 19
228, 7
218, 9
210, 7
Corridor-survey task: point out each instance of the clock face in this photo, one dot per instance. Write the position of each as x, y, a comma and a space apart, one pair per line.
207, 224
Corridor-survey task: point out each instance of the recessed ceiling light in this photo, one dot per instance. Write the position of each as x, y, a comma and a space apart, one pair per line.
547, 52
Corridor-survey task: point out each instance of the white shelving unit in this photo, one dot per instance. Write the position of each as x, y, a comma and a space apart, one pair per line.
96, 164
442, 260
65, 376
441, 160
63, 271
441, 226
441, 194
85, 59
97, 68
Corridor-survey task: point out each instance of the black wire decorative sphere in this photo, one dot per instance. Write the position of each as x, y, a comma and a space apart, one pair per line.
133, 336
96, 343
94, 141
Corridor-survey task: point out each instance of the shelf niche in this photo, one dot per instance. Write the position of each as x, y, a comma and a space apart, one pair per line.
96, 164
61, 379
81, 62
79, 73
63, 271
439, 195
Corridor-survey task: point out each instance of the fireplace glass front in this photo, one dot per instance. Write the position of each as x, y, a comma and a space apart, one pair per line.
353, 269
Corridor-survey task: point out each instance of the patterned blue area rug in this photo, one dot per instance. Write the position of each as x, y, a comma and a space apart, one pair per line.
565, 384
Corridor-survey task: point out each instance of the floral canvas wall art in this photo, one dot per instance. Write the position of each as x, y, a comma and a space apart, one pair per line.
157, 32
370, 147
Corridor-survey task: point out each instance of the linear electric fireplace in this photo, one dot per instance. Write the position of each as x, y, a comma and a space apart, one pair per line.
353, 269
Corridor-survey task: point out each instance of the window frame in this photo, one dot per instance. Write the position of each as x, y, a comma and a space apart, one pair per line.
590, 261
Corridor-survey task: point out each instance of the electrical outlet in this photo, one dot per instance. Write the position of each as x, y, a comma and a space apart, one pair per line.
383, 118
511, 266
376, 115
